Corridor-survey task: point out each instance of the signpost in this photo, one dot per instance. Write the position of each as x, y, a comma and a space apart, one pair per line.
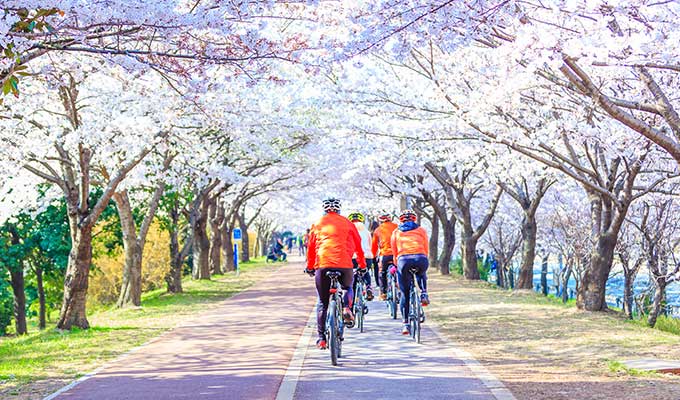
237, 241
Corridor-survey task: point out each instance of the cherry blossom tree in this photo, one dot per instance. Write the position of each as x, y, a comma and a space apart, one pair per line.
66, 139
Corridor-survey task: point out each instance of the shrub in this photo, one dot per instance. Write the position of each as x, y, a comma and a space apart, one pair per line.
107, 276
6, 306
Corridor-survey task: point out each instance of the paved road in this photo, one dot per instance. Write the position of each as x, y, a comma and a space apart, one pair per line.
242, 348
238, 350
381, 363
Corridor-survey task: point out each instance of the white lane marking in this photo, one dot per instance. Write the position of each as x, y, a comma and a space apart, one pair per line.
497, 388
292, 376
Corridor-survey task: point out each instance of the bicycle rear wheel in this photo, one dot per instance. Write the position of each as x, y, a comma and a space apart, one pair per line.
341, 325
414, 315
333, 339
395, 302
359, 314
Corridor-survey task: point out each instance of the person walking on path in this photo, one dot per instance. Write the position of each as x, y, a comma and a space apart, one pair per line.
382, 249
358, 219
333, 239
409, 245
301, 245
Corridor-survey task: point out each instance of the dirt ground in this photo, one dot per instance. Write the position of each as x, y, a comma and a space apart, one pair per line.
544, 350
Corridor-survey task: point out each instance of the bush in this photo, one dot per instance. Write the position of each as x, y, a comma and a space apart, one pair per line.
107, 277
156, 258
6, 306
457, 266
667, 324
482, 267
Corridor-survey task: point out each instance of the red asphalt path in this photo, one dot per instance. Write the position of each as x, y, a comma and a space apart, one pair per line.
239, 349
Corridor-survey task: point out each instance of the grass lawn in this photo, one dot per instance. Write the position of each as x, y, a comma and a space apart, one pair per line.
36, 364
542, 349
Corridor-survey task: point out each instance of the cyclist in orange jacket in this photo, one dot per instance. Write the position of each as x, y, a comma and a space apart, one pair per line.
382, 249
333, 240
410, 246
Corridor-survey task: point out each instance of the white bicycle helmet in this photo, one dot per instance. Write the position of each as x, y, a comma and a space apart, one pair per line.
331, 205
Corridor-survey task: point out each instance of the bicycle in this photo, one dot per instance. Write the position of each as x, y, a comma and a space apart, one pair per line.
360, 308
334, 323
392, 291
416, 315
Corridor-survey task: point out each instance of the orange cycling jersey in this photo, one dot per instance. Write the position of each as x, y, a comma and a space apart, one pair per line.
332, 242
381, 238
413, 241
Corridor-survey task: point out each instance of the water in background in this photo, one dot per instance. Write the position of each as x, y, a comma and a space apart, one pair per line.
614, 294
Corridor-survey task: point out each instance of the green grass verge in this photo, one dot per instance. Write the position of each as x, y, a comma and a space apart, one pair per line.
63, 356
544, 349
620, 368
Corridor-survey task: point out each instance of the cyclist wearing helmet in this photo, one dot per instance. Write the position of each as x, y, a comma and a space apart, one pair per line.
382, 249
410, 247
357, 219
333, 240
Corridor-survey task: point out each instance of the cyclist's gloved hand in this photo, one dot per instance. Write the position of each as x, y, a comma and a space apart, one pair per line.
309, 272
362, 270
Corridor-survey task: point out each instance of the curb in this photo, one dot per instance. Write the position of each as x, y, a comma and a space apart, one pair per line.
292, 376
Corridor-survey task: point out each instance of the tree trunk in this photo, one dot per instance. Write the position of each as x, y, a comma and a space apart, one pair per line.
19, 290
76, 280
434, 244
659, 294
228, 250
263, 245
41, 298
565, 283
245, 240
628, 279
500, 282
469, 253
449, 230
256, 248
201, 245
591, 294
544, 276
526, 270
131, 289
216, 218
174, 276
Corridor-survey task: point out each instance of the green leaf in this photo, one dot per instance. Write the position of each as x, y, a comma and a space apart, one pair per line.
6, 87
